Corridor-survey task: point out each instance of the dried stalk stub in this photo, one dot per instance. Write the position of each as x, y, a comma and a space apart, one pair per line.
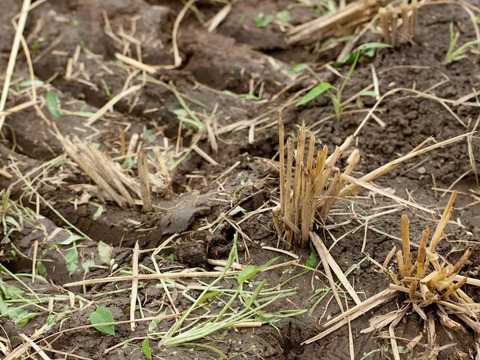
114, 183
306, 193
428, 280
390, 18
335, 24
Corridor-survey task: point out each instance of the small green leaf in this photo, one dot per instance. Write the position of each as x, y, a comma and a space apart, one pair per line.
268, 19
255, 293
313, 93
146, 348
247, 273
265, 317
99, 211
68, 241
148, 134
129, 163
11, 221
107, 89
9, 291
154, 323
181, 113
37, 42
71, 260
60, 163
312, 259
367, 50
53, 104
348, 60
102, 315
41, 269
237, 210
368, 93
24, 317
87, 264
19, 316
250, 96
414, 317
262, 21
257, 20
51, 320
207, 296
104, 252
284, 16
28, 83
297, 68
35, 45
250, 270
267, 264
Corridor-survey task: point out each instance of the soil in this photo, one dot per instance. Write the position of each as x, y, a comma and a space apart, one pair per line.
236, 78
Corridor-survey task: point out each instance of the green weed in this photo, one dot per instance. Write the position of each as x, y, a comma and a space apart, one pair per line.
261, 20
459, 53
366, 50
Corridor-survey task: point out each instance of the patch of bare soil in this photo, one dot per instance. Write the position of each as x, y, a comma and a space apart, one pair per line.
198, 86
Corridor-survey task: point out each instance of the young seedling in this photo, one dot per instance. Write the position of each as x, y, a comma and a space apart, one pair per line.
240, 306
455, 55
367, 50
261, 20
9, 213
54, 107
103, 315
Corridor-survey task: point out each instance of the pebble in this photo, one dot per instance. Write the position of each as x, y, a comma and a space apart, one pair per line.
411, 115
